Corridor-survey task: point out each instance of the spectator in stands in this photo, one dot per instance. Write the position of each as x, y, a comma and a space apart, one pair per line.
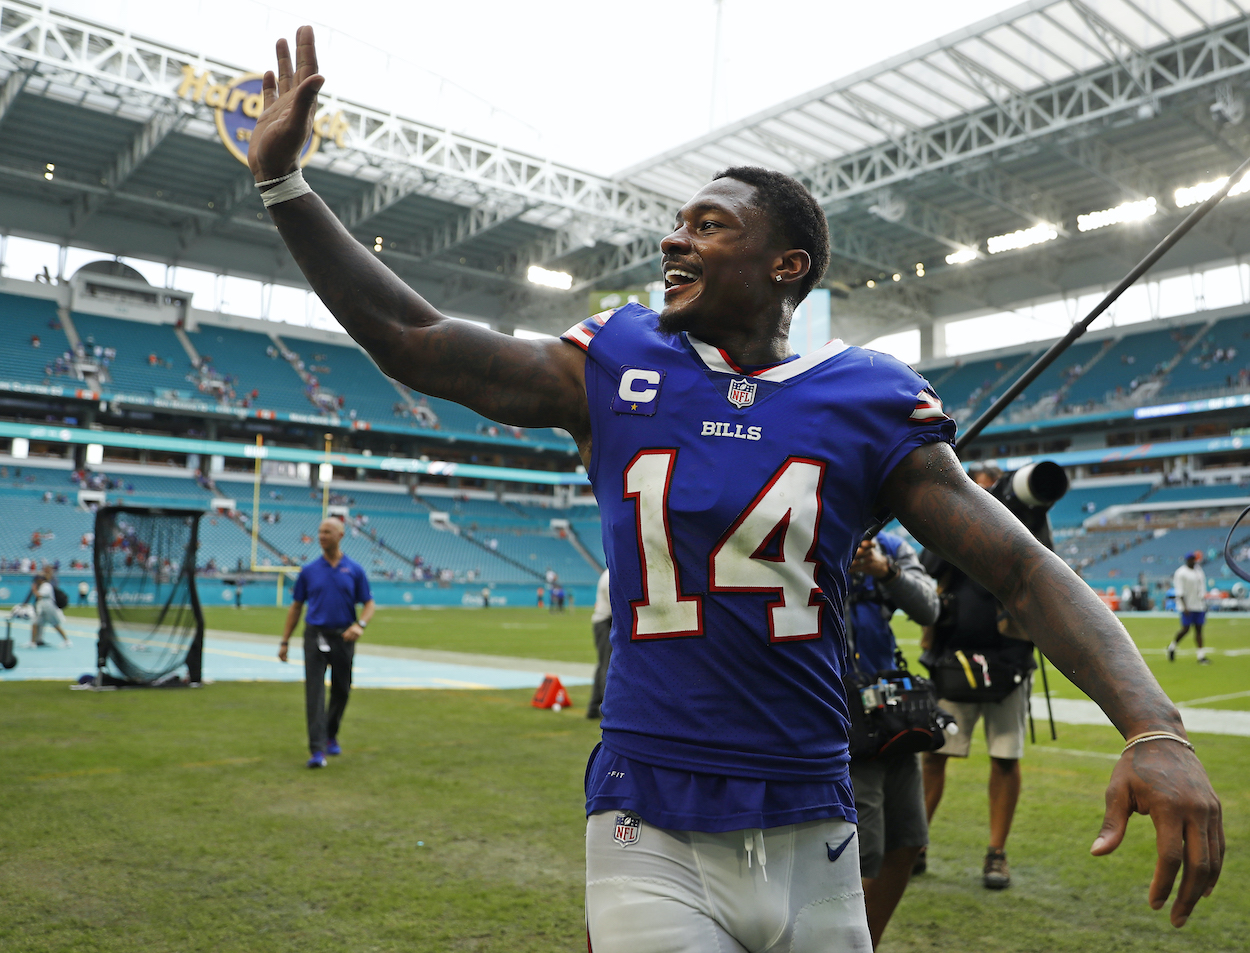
601, 627
1190, 583
332, 585
34, 341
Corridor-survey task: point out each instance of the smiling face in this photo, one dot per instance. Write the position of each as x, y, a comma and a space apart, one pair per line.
720, 262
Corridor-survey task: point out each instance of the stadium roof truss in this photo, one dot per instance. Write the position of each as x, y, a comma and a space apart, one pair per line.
1048, 110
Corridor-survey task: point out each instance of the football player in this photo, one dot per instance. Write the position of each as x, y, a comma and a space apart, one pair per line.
735, 481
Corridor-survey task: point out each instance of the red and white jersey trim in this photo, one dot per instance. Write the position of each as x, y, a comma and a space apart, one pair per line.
718, 360
583, 332
928, 406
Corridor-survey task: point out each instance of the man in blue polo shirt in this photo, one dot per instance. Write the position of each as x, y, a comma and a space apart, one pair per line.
332, 585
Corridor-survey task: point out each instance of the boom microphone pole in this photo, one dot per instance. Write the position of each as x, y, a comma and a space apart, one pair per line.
1043, 362
1053, 352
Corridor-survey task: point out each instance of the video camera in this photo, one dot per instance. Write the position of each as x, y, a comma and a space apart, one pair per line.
1030, 492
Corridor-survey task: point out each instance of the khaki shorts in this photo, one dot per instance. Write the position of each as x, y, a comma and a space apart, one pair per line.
1004, 724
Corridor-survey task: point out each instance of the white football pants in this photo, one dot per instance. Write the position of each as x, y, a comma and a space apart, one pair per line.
791, 889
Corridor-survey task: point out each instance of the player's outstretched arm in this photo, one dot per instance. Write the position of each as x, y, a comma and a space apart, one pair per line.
947, 512
526, 383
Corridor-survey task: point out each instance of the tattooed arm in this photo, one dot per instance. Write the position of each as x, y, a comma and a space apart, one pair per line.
526, 383
931, 495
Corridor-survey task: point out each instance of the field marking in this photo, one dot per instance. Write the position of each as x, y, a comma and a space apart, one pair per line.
1074, 751
525, 625
1215, 698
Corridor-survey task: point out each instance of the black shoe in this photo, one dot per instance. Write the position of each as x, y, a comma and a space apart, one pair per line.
1171, 653
995, 874
922, 862
1203, 660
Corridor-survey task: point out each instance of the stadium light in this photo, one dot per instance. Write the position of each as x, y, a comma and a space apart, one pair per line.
920, 269
897, 276
550, 279
20, 449
870, 283
49, 168
377, 243
1021, 238
1126, 212
961, 257
95, 454
1193, 194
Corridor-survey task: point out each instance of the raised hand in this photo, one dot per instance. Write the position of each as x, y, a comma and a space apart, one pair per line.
1165, 780
290, 105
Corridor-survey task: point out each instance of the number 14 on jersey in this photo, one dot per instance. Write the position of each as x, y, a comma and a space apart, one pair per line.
769, 548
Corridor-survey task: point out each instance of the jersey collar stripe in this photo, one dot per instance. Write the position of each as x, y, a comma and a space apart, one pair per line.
716, 360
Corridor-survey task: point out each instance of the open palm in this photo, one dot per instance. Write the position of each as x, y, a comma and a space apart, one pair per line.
290, 104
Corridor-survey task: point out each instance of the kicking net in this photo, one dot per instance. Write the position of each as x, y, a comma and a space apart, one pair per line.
151, 622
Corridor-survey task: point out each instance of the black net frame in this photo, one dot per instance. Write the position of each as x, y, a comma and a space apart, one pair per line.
151, 620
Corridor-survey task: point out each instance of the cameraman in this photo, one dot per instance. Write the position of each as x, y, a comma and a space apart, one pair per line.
973, 621
889, 795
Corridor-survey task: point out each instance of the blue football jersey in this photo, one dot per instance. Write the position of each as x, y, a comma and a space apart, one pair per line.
732, 503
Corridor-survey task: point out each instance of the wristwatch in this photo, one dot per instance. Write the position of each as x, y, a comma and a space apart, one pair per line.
363, 624
893, 572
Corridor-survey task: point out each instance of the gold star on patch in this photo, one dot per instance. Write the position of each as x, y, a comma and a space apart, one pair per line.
633, 406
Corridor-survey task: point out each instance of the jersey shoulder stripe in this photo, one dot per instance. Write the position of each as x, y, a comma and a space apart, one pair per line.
928, 406
584, 332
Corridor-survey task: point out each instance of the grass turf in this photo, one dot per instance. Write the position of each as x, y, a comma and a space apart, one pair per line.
172, 820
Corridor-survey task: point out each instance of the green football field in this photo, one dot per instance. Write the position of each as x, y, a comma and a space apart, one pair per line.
184, 820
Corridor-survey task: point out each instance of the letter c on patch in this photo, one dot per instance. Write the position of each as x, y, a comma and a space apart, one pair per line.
634, 376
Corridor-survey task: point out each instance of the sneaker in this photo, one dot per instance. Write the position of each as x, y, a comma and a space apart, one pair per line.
67, 644
922, 862
995, 874
1171, 653
318, 760
332, 747
1203, 660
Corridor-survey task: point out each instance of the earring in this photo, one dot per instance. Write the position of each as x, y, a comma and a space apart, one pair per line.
777, 278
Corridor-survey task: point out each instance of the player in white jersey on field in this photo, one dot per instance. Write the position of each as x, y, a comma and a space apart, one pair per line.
1190, 583
743, 253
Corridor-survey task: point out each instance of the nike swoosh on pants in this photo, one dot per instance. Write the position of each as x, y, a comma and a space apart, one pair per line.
836, 852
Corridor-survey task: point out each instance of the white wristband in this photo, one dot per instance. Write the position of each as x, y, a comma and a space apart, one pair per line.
290, 188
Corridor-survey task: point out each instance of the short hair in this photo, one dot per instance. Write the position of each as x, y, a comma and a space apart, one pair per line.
797, 217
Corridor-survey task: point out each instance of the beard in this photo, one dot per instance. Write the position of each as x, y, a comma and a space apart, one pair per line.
671, 321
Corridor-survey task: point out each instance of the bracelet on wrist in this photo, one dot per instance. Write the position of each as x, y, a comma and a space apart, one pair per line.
1155, 736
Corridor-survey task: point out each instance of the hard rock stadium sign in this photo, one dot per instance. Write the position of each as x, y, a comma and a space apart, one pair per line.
238, 104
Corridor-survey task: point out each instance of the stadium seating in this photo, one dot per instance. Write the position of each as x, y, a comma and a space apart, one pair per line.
21, 321
133, 371
1134, 357
1082, 502
1205, 367
1199, 491
966, 387
252, 360
347, 372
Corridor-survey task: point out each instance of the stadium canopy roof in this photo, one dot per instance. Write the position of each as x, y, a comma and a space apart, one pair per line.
1027, 120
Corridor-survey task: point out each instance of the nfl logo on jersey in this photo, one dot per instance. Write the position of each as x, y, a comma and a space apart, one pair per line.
628, 828
742, 393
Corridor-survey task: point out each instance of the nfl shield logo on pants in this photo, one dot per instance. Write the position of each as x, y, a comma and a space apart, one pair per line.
742, 393
628, 828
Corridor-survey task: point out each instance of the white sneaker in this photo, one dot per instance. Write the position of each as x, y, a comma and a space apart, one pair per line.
67, 644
